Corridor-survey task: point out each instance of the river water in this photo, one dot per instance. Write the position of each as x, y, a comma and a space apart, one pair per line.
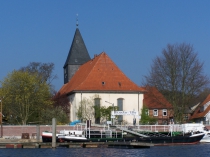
199, 150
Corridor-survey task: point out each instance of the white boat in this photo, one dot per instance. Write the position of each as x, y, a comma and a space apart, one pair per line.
72, 136
197, 127
47, 136
206, 137
65, 135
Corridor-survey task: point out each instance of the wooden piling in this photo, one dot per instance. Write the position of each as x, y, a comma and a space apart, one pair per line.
54, 133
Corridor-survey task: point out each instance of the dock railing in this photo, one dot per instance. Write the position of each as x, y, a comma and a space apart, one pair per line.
153, 128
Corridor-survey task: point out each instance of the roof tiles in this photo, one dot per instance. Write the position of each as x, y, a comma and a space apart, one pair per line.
100, 74
153, 99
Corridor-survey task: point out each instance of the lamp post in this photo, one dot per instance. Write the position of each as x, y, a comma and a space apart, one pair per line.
1, 120
112, 118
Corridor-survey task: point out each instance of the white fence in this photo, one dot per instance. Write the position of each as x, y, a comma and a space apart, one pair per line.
153, 128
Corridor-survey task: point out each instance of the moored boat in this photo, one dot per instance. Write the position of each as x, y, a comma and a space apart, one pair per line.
125, 135
193, 127
47, 136
154, 138
72, 136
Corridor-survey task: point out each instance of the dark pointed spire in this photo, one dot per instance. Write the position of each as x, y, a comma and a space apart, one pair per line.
78, 53
77, 56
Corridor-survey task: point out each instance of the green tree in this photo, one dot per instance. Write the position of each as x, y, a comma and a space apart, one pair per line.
43, 70
178, 75
24, 93
145, 118
45, 74
106, 113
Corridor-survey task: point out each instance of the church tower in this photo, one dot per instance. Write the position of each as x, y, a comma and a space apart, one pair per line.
77, 56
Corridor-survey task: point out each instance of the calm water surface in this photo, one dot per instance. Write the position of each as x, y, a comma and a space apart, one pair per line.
200, 150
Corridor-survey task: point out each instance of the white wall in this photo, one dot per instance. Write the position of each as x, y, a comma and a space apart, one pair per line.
133, 101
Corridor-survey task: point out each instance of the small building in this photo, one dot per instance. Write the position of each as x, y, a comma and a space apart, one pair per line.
202, 112
157, 105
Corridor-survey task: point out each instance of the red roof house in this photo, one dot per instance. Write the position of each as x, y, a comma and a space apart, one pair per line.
157, 105
202, 112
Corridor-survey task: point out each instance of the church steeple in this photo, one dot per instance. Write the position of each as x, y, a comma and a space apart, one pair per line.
77, 56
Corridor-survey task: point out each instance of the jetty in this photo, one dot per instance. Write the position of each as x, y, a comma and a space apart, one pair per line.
19, 143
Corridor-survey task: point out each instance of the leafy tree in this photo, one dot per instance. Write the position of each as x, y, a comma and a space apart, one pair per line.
43, 70
45, 74
178, 75
145, 118
24, 94
106, 112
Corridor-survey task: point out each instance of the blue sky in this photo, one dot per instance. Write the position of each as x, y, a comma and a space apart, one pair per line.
131, 32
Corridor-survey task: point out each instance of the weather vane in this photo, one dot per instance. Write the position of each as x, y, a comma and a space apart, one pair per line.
77, 24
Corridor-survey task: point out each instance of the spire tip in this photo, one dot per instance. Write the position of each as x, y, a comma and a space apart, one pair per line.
77, 23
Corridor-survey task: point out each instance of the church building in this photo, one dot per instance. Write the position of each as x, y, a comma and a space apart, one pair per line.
99, 80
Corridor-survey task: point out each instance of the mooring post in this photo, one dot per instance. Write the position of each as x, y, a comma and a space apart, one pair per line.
54, 133
38, 133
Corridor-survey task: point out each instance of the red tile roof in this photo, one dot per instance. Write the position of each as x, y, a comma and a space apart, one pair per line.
100, 74
198, 113
153, 99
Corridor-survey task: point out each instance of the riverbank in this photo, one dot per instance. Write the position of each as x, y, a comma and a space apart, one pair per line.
32, 143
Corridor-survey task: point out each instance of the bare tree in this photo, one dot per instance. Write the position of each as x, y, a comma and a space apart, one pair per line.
86, 110
178, 75
62, 102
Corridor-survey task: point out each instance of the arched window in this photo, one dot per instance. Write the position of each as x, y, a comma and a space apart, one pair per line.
120, 108
97, 106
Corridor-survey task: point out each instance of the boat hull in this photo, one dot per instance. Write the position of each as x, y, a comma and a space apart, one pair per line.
72, 138
156, 140
47, 137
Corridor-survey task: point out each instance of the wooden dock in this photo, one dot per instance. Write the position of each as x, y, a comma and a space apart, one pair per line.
31, 144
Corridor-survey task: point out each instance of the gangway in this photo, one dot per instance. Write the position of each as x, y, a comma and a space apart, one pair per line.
132, 132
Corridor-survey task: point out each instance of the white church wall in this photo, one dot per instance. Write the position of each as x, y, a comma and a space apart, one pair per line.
131, 102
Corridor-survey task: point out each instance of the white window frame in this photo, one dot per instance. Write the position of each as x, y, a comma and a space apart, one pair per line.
155, 112
164, 111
